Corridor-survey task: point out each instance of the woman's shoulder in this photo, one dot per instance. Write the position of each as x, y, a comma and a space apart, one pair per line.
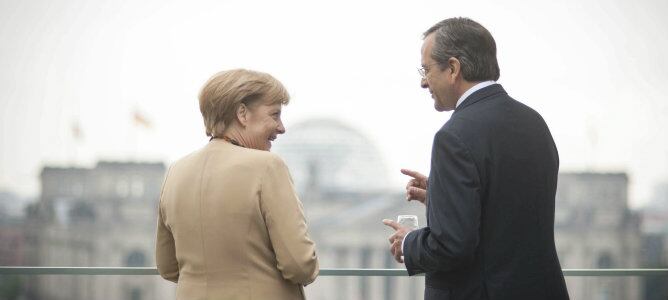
248, 158
268, 158
259, 158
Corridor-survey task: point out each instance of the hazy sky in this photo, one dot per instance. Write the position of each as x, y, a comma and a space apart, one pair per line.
595, 70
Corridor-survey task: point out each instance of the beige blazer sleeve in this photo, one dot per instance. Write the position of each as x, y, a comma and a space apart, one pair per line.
165, 249
284, 216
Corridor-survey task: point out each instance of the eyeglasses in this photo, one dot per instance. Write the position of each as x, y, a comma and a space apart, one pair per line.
424, 70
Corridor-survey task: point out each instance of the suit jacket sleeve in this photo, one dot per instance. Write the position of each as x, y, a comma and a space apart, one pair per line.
284, 217
453, 211
165, 249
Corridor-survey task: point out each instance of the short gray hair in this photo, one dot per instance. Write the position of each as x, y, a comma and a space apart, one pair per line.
470, 43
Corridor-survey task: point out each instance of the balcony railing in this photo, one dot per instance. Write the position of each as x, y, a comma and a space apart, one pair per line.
323, 272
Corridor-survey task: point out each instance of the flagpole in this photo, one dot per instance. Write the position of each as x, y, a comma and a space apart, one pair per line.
141, 124
77, 137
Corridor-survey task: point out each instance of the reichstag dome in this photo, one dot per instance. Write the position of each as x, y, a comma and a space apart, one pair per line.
329, 156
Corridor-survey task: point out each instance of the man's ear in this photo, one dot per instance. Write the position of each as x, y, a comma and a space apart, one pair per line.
455, 67
242, 114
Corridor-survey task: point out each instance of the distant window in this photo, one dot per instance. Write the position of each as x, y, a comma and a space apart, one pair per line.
77, 189
122, 188
135, 294
137, 187
61, 207
82, 211
605, 261
135, 259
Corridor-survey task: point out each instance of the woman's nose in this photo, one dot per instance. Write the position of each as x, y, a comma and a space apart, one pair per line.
281, 129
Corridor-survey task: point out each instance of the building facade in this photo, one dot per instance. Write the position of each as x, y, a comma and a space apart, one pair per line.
595, 229
103, 216
655, 243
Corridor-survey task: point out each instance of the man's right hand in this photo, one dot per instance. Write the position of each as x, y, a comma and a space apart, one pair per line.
416, 188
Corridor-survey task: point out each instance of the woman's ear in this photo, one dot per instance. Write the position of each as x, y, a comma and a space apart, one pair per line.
242, 114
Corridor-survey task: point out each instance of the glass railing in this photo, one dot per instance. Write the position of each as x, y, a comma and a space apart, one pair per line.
7, 270
92, 283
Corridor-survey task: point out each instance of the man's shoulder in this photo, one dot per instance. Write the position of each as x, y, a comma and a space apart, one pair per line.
491, 110
491, 119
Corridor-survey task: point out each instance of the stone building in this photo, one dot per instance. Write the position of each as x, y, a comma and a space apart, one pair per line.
99, 217
655, 244
12, 231
595, 229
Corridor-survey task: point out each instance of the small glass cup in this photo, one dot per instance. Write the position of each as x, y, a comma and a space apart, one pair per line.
409, 221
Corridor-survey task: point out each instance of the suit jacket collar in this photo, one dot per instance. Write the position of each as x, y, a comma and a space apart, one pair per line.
481, 94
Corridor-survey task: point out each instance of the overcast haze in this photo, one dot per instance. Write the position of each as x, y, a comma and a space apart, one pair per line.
595, 70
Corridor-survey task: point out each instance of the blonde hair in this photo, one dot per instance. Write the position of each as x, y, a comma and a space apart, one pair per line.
225, 91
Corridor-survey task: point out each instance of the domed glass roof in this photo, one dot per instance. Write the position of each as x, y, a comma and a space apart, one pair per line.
331, 156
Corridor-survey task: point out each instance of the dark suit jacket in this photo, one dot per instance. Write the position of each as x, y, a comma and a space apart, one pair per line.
490, 207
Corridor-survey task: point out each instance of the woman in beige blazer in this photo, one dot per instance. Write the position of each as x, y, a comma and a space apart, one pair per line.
230, 224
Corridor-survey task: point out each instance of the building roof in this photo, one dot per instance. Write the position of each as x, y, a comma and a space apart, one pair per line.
328, 155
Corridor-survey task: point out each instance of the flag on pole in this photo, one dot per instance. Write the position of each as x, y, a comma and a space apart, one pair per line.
76, 131
141, 120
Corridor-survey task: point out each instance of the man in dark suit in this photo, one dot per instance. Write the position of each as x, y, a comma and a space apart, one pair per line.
491, 189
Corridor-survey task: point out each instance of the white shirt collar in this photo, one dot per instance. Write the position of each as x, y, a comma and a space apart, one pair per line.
473, 89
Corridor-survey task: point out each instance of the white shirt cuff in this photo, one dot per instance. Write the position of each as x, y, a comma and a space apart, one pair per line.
402, 244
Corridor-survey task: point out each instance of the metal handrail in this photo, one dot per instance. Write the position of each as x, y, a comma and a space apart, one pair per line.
7, 270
